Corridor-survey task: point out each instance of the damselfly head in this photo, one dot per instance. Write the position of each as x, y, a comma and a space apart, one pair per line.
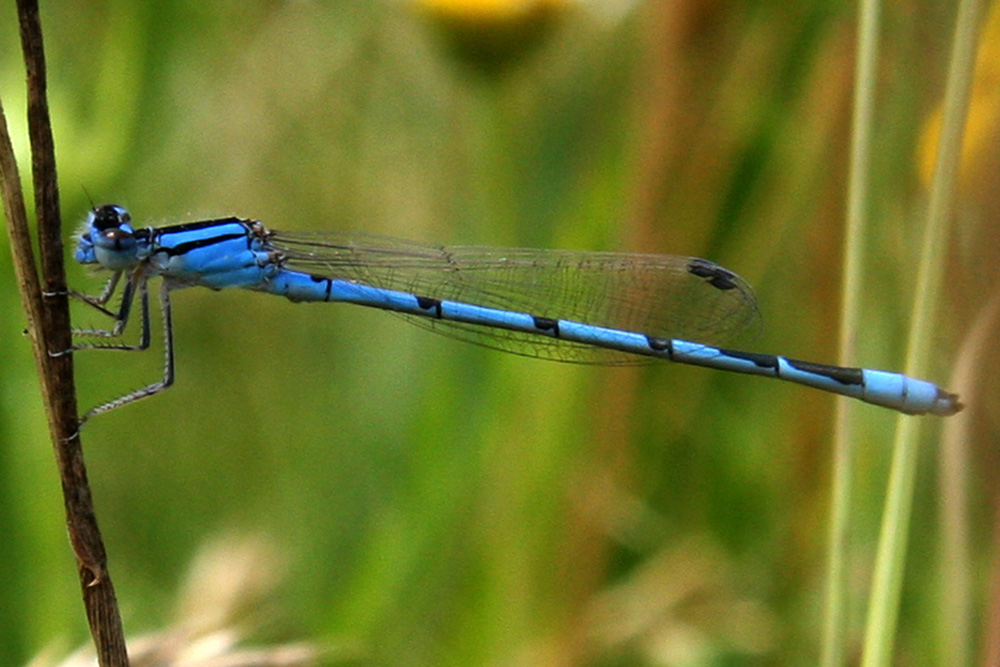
107, 237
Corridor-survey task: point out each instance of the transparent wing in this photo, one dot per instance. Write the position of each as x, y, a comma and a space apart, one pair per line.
666, 296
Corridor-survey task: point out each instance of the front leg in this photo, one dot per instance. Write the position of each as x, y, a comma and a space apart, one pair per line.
121, 317
120, 321
98, 301
168, 361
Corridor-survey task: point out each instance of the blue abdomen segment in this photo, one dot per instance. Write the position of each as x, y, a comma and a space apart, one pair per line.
892, 390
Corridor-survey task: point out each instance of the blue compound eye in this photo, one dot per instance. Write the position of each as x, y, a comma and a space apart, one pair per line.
110, 216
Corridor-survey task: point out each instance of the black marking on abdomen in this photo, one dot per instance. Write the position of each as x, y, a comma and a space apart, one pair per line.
838, 373
761, 360
546, 324
659, 344
717, 276
430, 303
319, 279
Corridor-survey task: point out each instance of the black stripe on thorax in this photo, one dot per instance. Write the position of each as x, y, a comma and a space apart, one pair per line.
193, 226
157, 235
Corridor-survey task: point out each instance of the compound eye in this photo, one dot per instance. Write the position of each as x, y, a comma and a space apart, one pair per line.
110, 216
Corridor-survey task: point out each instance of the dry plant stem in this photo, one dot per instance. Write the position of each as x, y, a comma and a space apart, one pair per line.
48, 326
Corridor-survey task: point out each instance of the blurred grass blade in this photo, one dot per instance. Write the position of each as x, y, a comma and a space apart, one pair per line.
835, 616
956, 611
883, 611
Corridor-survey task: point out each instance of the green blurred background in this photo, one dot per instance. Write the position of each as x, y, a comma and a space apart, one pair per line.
415, 500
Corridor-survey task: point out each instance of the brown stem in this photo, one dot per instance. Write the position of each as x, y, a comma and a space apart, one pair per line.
49, 328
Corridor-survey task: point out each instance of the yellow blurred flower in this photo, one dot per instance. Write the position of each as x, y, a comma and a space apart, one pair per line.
490, 34
490, 11
982, 126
